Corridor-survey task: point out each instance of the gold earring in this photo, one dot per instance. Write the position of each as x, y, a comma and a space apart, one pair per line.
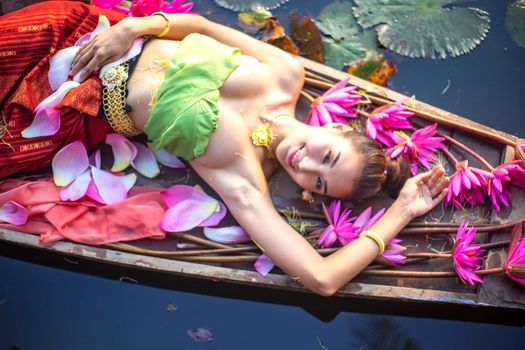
307, 196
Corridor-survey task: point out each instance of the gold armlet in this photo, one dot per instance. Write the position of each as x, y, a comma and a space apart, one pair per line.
168, 23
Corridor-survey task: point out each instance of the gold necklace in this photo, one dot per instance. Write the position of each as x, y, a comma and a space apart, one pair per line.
263, 135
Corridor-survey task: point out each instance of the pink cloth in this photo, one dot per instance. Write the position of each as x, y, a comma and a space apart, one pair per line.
84, 221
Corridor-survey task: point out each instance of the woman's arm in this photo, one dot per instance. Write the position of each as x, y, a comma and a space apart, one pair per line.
114, 42
254, 211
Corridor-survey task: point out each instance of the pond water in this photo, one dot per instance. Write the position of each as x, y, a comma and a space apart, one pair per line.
48, 308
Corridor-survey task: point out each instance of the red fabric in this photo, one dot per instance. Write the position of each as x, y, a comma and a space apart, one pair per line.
28, 38
85, 221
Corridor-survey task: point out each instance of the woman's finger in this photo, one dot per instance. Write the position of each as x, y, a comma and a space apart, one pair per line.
437, 176
436, 200
82, 62
81, 53
440, 186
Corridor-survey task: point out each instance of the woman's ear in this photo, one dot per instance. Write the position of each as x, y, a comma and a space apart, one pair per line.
339, 126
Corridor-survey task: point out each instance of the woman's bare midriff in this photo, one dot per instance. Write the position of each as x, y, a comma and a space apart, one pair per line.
245, 90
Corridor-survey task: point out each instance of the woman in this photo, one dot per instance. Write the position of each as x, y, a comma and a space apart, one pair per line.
235, 117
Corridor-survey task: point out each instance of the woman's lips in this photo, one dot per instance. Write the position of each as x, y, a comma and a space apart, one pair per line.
293, 157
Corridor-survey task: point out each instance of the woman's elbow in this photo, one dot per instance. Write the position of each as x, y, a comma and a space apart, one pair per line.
322, 283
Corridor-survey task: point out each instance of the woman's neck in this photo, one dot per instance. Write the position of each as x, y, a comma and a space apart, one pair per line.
281, 126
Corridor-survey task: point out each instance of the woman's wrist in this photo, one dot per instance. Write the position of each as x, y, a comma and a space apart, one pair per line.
401, 209
142, 26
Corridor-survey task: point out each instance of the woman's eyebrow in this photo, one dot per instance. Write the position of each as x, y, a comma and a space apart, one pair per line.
336, 159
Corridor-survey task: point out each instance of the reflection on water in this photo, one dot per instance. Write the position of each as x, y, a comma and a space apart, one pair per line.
382, 334
45, 308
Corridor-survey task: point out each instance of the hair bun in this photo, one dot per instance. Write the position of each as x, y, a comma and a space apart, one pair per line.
397, 172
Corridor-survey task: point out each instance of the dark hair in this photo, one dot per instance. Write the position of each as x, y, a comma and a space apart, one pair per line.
373, 176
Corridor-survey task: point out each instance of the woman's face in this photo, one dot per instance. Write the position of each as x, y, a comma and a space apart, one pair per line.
321, 160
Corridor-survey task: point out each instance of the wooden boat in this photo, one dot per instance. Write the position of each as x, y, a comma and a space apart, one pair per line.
213, 265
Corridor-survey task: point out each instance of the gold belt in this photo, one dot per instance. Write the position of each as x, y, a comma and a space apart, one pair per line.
114, 100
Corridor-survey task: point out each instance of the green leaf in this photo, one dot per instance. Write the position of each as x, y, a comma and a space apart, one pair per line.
249, 5
515, 22
424, 28
253, 21
344, 41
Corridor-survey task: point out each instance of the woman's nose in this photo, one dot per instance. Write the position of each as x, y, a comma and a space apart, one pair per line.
307, 164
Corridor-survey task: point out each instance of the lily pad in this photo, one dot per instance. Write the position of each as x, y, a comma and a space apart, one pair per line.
424, 28
344, 41
242, 5
515, 22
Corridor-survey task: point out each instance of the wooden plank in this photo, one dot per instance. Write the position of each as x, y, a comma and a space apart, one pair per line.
235, 276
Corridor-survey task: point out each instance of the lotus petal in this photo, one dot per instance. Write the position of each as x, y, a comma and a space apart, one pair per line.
123, 151
84, 39
144, 161
166, 158
187, 214
78, 188
135, 49
263, 265
92, 192
69, 163
45, 123
111, 188
55, 98
215, 218
227, 235
177, 193
60, 64
103, 24
129, 181
13, 213
95, 159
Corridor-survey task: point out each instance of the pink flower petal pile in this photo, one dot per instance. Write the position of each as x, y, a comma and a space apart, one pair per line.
334, 105
515, 263
467, 184
504, 176
420, 147
466, 255
384, 120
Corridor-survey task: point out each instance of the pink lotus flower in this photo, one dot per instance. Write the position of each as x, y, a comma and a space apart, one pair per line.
466, 255
467, 184
334, 105
504, 176
140, 8
420, 147
515, 263
383, 121
393, 252
341, 227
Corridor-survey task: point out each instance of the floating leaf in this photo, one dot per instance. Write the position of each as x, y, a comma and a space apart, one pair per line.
200, 335
275, 34
249, 5
424, 28
306, 36
344, 40
374, 67
515, 22
253, 21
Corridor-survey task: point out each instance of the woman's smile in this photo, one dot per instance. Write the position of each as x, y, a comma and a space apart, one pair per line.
294, 157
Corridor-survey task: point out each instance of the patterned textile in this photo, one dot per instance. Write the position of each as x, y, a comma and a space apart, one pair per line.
28, 38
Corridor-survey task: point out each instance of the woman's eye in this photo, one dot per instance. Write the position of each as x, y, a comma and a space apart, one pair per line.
318, 185
327, 157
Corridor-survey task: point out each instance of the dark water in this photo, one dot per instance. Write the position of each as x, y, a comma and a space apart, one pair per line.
48, 308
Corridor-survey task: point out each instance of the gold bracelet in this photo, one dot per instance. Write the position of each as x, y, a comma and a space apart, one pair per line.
168, 23
374, 236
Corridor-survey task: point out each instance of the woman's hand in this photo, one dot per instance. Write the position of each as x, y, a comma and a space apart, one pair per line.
423, 192
106, 47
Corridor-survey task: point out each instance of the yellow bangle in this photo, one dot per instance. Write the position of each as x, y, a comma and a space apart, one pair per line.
168, 23
374, 236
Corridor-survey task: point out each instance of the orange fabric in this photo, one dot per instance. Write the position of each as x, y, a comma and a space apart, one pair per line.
85, 221
28, 38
